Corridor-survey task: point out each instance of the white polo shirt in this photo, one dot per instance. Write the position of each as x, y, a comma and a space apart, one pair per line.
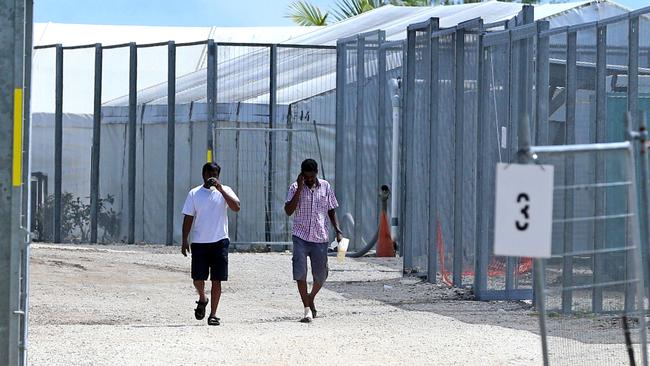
210, 212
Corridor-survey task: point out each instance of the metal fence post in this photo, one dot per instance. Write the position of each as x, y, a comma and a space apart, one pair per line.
171, 139
212, 96
643, 188
133, 101
523, 157
570, 119
459, 106
407, 150
483, 189
638, 294
58, 143
11, 178
27, 168
633, 69
402, 151
434, 43
359, 148
601, 117
273, 95
95, 150
382, 152
341, 80
542, 85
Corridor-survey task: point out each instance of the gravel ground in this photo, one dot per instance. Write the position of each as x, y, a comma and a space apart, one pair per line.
133, 305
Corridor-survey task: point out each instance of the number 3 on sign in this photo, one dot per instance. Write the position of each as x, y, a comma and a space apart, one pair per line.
524, 210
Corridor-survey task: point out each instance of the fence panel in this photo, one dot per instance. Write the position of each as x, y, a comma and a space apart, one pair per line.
615, 268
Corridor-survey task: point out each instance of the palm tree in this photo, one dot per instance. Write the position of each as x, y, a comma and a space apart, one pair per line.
305, 13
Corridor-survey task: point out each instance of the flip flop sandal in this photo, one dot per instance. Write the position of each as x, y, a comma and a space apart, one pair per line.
213, 320
199, 312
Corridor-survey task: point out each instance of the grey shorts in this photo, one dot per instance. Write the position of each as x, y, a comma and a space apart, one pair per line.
317, 253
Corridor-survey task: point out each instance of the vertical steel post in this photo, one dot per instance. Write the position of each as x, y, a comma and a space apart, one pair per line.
407, 152
644, 180
483, 189
570, 124
542, 72
434, 166
635, 262
58, 143
27, 91
601, 117
542, 85
523, 157
27, 168
633, 70
340, 138
514, 74
359, 148
12, 239
133, 101
382, 116
459, 153
96, 150
212, 96
398, 219
273, 95
171, 139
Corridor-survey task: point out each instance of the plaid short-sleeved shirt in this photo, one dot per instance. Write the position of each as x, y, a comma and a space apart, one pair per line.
310, 217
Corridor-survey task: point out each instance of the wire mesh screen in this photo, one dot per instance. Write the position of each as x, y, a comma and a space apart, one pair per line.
357, 142
415, 160
250, 147
390, 82
346, 131
445, 155
77, 139
42, 138
466, 188
151, 151
190, 126
557, 89
113, 158
307, 107
366, 213
581, 277
493, 143
295, 83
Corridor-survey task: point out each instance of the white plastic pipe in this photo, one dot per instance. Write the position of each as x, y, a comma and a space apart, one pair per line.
396, 103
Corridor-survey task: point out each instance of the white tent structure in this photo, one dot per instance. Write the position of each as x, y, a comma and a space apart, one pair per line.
306, 80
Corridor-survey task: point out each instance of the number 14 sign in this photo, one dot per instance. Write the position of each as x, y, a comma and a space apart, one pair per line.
524, 210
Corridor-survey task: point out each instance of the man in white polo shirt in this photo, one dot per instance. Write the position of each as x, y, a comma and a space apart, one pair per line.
206, 216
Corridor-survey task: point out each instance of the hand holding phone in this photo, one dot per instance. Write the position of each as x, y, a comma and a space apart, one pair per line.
300, 180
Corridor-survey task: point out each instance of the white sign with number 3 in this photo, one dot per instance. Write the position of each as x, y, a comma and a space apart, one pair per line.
524, 210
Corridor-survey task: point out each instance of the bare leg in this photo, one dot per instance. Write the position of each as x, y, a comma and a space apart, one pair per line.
304, 296
216, 295
312, 295
200, 288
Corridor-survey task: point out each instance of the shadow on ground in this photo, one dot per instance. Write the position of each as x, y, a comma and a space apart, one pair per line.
415, 294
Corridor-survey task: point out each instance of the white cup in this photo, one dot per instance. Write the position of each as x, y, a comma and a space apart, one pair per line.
342, 248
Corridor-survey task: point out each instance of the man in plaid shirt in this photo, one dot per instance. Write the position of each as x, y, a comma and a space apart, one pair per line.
311, 199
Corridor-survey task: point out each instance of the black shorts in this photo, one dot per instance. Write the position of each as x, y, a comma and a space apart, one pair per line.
210, 258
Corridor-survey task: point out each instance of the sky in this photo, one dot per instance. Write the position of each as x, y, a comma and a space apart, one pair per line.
223, 13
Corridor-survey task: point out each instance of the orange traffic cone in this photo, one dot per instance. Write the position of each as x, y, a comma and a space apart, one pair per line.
385, 245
